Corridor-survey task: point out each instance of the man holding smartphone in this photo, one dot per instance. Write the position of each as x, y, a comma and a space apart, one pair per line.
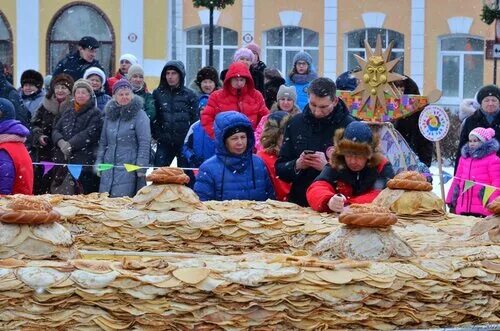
308, 136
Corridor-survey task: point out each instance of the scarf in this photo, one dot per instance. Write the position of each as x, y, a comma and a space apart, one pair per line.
303, 78
490, 117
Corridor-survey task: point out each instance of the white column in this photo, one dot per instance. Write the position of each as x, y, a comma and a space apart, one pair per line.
417, 42
330, 39
248, 19
180, 44
27, 41
132, 28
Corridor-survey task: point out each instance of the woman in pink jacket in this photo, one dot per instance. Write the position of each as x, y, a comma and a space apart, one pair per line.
479, 164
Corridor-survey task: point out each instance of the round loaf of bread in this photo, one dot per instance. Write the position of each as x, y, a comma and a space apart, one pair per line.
167, 175
367, 215
409, 181
30, 210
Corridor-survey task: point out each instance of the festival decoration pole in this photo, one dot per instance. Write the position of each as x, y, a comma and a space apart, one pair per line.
434, 124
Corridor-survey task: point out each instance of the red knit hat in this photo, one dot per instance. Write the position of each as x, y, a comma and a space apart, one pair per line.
483, 134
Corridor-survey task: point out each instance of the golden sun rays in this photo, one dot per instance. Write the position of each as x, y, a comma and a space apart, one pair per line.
375, 77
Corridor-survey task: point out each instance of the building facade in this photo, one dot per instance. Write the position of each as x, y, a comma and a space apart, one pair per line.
441, 43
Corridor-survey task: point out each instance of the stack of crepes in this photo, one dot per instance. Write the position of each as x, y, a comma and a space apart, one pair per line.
410, 196
261, 291
29, 229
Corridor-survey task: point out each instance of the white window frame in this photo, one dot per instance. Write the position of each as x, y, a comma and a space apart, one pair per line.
440, 54
205, 47
302, 48
359, 49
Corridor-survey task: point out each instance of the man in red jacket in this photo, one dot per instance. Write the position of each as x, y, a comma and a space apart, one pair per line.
238, 94
356, 173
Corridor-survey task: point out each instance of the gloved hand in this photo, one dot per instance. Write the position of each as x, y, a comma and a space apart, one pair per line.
43, 140
65, 147
336, 203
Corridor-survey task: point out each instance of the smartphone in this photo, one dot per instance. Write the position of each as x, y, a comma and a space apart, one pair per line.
308, 151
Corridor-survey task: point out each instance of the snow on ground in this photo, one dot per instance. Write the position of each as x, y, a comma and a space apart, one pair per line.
436, 181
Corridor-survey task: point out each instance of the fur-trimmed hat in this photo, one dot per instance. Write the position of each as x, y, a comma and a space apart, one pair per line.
488, 91
356, 139
95, 71
31, 76
82, 83
62, 79
207, 73
245, 53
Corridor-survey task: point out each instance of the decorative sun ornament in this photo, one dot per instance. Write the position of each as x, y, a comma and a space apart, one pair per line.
375, 77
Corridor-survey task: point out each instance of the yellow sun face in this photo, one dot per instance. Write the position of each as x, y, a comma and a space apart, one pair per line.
375, 76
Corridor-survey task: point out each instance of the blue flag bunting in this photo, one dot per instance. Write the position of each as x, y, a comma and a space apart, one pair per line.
75, 170
446, 177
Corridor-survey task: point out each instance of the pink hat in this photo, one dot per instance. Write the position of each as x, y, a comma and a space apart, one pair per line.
254, 48
483, 134
243, 53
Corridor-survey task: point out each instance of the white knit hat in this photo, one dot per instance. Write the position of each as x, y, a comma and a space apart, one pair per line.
130, 58
95, 71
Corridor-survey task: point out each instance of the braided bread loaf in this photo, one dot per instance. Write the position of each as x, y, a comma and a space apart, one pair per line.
494, 206
29, 210
167, 175
368, 215
409, 181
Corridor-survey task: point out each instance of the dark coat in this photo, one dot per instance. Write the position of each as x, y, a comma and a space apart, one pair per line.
74, 65
43, 123
226, 176
82, 130
7, 91
149, 102
101, 99
478, 119
305, 132
176, 109
271, 89
125, 138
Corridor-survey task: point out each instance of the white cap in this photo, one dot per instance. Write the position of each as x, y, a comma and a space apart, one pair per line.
130, 58
95, 71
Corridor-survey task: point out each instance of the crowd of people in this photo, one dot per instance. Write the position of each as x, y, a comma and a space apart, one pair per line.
247, 133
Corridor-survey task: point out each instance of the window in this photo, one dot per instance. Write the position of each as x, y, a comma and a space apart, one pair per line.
197, 45
356, 45
461, 67
70, 25
5, 43
283, 43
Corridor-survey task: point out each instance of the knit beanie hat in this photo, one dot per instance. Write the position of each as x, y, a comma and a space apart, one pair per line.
254, 48
122, 83
235, 129
207, 73
243, 53
82, 83
302, 56
483, 134
130, 58
487, 91
95, 71
135, 69
7, 110
62, 79
288, 92
32, 77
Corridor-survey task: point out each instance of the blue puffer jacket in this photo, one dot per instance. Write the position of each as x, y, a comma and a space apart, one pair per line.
227, 176
198, 146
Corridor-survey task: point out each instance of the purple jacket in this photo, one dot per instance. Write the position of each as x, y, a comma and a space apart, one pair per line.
7, 170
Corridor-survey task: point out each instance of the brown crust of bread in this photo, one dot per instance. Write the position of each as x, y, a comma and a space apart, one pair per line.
167, 175
367, 215
409, 185
30, 217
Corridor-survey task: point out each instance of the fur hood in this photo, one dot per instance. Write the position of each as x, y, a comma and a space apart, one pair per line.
56, 108
467, 108
344, 146
114, 111
485, 149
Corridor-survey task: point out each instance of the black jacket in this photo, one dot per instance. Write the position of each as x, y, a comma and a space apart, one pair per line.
176, 109
408, 127
7, 91
82, 130
75, 66
474, 121
304, 131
